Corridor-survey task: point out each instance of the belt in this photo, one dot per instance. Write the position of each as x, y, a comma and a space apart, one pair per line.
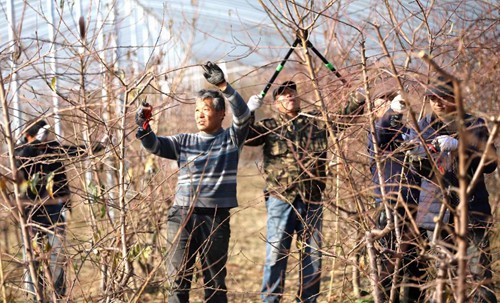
204, 210
45, 201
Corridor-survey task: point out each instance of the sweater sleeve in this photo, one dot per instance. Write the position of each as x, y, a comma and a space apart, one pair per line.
165, 147
241, 114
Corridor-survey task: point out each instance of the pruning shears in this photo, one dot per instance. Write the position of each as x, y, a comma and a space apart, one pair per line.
280, 66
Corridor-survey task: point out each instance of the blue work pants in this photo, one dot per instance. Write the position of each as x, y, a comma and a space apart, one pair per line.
285, 219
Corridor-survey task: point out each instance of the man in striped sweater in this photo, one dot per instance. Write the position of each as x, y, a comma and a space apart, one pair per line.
198, 222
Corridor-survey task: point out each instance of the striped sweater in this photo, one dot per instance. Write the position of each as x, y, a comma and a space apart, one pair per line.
208, 163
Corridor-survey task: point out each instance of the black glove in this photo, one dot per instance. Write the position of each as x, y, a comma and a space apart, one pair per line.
213, 73
396, 121
143, 115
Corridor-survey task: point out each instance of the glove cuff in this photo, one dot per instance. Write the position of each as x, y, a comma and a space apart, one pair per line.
141, 131
219, 83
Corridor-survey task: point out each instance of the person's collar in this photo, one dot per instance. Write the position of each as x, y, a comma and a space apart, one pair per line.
436, 121
284, 118
440, 124
207, 135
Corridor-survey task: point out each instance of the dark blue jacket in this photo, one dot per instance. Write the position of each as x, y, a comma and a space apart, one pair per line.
477, 134
390, 133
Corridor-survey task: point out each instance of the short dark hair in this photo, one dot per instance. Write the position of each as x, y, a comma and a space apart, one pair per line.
218, 100
384, 88
284, 86
387, 95
33, 126
441, 87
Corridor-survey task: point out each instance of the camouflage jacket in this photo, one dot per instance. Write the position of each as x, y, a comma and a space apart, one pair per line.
295, 153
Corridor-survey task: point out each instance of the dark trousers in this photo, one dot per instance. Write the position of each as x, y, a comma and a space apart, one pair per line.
47, 228
198, 232
479, 263
411, 264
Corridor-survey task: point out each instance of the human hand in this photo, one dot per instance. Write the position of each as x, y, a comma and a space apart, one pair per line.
143, 115
255, 102
107, 140
445, 143
213, 73
398, 104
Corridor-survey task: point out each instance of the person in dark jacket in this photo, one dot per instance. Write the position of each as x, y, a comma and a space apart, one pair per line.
396, 185
45, 196
440, 129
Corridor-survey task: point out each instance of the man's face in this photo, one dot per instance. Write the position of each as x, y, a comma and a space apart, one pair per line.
380, 106
42, 135
287, 102
208, 120
443, 106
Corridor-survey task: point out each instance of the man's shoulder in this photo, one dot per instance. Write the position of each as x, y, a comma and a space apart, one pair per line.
53, 145
23, 150
472, 120
426, 120
31, 149
314, 117
314, 113
269, 123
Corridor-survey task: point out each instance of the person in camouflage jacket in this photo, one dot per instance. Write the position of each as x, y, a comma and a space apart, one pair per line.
295, 148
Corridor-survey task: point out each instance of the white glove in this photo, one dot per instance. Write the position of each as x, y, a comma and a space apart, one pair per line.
398, 104
445, 143
106, 140
43, 133
255, 102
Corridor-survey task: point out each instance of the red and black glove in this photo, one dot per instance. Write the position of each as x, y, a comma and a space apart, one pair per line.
144, 115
